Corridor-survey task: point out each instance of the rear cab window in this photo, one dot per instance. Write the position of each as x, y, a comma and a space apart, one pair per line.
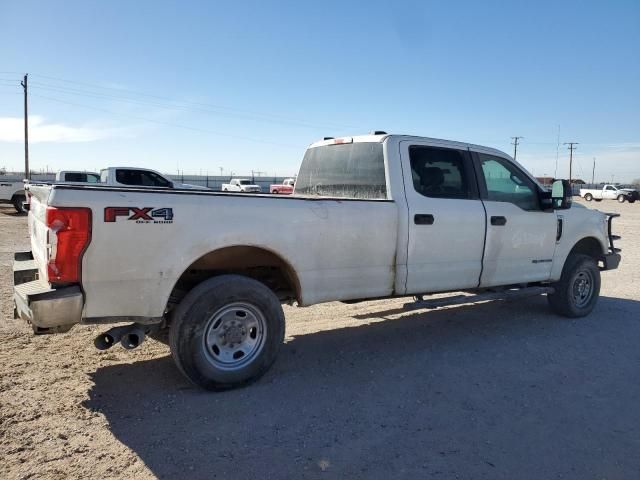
349, 170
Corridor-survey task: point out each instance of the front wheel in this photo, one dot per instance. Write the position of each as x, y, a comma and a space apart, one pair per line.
621, 198
577, 291
588, 197
226, 332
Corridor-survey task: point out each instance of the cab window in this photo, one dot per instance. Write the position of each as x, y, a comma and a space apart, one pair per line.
439, 172
141, 177
506, 183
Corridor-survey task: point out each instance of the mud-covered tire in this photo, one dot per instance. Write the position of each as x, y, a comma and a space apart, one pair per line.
208, 321
17, 202
577, 291
588, 197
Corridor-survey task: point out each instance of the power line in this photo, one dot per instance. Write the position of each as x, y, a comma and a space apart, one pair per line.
197, 104
176, 106
176, 125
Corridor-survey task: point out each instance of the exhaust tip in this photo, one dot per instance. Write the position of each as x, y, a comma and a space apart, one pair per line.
104, 341
132, 340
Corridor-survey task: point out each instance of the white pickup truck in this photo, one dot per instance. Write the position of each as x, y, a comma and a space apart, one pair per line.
610, 192
372, 216
241, 185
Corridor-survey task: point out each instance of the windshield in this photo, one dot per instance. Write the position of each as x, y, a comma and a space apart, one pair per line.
353, 170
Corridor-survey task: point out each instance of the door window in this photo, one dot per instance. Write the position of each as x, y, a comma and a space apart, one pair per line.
140, 177
439, 172
506, 183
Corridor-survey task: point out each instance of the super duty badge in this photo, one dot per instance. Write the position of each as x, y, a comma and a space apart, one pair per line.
139, 215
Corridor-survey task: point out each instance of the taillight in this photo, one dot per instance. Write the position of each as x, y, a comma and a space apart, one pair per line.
68, 236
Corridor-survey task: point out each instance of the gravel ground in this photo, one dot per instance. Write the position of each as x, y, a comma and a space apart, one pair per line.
502, 390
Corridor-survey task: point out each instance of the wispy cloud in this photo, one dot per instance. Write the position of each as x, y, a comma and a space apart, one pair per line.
42, 131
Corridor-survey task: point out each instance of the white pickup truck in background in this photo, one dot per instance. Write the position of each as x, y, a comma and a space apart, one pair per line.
374, 216
241, 185
610, 192
13, 192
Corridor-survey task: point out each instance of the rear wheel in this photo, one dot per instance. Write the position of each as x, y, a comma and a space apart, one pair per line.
226, 332
275, 192
577, 291
17, 202
621, 198
588, 197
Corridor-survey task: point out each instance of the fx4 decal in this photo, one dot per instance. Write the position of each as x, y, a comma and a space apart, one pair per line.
139, 215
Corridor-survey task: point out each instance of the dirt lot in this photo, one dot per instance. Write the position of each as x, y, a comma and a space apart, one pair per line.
359, 391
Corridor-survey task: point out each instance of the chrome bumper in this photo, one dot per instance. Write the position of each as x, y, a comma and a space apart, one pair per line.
47, 309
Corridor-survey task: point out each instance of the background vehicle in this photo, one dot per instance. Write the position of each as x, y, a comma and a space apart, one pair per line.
374, 216
285, 188
13, 193
241, 185
610, 192
141, 177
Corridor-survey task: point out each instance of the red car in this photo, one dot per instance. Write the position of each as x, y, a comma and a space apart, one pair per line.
286, 188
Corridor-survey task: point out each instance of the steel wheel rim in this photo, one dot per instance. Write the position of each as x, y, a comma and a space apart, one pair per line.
234, 336
583, 288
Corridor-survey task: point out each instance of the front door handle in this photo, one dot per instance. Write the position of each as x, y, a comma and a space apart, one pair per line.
498, 221
423, 219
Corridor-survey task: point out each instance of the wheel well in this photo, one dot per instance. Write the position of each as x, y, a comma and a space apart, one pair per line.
588, 246
18, 194
254, 262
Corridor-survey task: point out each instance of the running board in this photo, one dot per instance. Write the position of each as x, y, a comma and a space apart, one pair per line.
512, 294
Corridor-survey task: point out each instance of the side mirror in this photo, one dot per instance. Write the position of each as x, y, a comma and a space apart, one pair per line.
561, 195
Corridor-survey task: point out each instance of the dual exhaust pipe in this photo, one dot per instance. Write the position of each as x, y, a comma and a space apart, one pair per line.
129, 336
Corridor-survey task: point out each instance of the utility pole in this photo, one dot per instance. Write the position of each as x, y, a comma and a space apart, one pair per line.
555, 172
571, 149
593, 172
515, 146
221, 170
27, 173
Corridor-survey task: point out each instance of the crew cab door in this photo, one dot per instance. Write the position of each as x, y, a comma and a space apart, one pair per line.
446, 221
521, 238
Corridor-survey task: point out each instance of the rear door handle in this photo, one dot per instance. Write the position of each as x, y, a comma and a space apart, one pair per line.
498, 221
423, 219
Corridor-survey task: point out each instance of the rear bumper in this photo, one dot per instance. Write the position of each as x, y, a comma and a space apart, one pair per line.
47, 309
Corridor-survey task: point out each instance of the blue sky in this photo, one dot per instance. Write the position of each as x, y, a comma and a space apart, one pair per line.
246, 86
